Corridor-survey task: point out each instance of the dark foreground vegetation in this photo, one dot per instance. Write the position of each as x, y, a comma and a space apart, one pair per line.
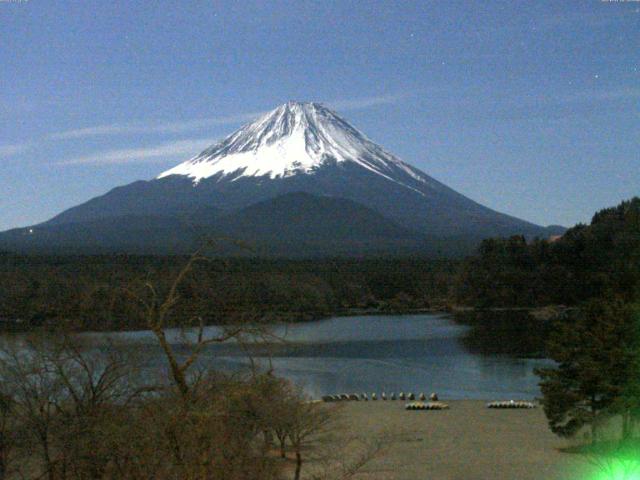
517, 333
72, 410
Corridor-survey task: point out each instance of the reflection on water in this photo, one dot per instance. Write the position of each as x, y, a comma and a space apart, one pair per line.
371, 353
510, 332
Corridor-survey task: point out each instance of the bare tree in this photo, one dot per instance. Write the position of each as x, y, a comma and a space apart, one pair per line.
157, 310
7, 433
308, 421
61, 398
96, 386
84, 415
35, 393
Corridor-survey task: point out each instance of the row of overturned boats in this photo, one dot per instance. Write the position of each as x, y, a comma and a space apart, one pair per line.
418, 402
374, 396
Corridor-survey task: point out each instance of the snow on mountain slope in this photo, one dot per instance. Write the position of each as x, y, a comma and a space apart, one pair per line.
295, 138
298, 181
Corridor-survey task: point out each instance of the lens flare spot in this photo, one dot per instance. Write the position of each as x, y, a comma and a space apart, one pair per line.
618, 470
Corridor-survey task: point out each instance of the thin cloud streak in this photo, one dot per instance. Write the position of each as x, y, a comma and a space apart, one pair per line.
180, 127
8, 150
177, 148
144, 154
362, 103
170, 127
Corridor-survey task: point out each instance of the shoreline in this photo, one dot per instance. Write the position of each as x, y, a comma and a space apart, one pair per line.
540, 313
18, 326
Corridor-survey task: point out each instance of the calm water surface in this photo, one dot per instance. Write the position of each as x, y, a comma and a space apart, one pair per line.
419, 353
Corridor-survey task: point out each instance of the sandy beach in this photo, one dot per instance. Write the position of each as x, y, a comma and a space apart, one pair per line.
466, 442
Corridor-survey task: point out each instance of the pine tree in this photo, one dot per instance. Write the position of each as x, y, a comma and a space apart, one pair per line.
597, 354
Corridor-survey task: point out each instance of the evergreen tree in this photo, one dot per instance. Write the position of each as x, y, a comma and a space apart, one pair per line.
597, 373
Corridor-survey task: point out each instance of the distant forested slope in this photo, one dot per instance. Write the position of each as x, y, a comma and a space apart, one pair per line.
595, 260
95, 292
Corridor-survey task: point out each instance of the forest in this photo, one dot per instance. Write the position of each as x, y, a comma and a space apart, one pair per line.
94, 292
596, 260
594, 270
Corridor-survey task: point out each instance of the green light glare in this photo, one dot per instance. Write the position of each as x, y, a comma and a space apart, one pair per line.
618, 469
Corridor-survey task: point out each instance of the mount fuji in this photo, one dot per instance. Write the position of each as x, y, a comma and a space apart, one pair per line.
299, 180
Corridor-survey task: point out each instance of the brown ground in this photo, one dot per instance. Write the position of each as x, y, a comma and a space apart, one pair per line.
467, 442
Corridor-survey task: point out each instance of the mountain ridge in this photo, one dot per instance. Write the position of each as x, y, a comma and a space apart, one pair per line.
302, 147
295, 224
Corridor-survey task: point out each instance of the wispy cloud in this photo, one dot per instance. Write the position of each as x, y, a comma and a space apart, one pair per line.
180, 148
139, 127
8, 150
199, 124
367, 102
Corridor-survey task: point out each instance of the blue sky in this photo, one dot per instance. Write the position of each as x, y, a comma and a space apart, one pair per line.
531, 108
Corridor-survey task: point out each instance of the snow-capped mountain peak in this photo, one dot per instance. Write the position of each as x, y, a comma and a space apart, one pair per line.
295, 138
298, 179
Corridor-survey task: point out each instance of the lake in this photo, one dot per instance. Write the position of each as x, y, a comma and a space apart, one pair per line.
390, 353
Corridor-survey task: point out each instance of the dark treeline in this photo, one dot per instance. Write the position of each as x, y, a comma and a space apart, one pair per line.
509, 276
595, 270
518, 333
92, 292
588, 261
